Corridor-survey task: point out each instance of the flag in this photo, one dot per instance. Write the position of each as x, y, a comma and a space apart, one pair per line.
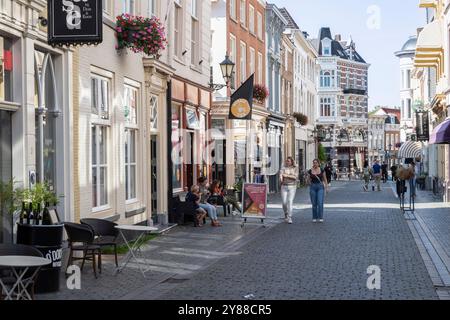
242, 101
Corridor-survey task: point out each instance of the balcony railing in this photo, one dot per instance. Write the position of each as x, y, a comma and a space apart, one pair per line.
355, 90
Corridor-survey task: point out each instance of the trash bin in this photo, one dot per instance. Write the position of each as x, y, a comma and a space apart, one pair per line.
48, 240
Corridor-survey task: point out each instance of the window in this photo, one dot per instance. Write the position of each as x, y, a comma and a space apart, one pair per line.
327, 79
151, 8
100, 96
195, 41
243, 62
130, 105
326, 107
176, 148
108, 7
233, 55
408, 106
130, 164
99, 166
260, 68
327, 51
129, 7
178, 29
242, 13
194, 9
153, 113
251, 17
260, 26
252, 60
408, 79
233, 9
6, 70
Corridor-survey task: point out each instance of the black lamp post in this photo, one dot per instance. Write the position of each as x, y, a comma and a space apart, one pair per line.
227, 68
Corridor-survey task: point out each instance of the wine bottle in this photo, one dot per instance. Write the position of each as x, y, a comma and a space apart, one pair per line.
22, 213
31, 215
37, 215
46, 220
28, 213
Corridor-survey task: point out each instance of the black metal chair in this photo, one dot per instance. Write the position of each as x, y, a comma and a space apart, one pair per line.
84, 235
19, 250
106, 233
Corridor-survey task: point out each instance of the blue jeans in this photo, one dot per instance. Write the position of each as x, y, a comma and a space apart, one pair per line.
316, 192
212, 211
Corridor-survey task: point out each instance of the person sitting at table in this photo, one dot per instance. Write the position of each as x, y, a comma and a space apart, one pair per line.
204, 195
194, 197
216, 189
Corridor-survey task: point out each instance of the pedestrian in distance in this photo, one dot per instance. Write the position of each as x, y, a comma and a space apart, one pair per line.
318, 186
366, 176
329, 172
384, 171
288, 180
394, 172
376, 169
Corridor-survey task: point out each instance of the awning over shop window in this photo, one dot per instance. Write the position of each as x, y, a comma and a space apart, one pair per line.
410, 149
441, 134
429, 49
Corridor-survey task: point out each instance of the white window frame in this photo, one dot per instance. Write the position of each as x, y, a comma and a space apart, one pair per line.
129, 6
108, 7
260, 68
195, 35
152, 7
251, 18
243, 12
259, 25
233, 9
243, 62
98, 167
233, 54
252, 60
178, 27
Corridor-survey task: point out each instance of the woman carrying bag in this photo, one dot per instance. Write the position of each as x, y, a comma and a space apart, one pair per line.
318, 185
288, 179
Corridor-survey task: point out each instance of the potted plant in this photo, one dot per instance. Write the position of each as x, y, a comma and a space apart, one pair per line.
301, 118
39, 194
141, 34
260, 93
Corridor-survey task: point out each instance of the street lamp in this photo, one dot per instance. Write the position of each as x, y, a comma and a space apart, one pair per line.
227, 68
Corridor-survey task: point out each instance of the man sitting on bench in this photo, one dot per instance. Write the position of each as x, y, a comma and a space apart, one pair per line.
194, 196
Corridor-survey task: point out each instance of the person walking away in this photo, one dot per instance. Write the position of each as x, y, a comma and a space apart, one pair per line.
366, 176
212, 211
288, 180
328, 172
194, 197
318, 187
394, 172
384, 171
376, 169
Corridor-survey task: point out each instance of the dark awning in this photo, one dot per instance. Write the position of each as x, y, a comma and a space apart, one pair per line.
441, 134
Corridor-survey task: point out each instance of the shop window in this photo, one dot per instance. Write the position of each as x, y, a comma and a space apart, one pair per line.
6, 69
100, 96
177, 169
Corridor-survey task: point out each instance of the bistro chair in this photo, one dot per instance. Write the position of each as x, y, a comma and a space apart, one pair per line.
81, 238
19, 250
106, 233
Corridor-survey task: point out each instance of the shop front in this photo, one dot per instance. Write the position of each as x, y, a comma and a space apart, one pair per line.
190, 141
275, 147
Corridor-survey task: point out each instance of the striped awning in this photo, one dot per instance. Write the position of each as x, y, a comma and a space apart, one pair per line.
410, 149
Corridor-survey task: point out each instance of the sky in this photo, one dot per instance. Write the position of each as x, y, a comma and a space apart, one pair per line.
378, 27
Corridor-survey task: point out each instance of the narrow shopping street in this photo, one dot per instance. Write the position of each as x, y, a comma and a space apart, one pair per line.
304, 260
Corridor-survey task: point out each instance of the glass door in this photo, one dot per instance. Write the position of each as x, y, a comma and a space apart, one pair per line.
154, 176
5, 170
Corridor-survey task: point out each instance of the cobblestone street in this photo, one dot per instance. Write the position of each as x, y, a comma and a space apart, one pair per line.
299, 261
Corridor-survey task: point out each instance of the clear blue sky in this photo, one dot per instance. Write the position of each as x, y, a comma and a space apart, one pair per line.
398, 20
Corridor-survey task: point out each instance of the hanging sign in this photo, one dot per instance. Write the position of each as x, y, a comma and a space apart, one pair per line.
422, 126
75, 22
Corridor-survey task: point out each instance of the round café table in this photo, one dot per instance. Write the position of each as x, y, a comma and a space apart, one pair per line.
134, 249
19, 266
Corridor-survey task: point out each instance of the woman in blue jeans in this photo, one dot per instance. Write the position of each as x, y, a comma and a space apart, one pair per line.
318, 187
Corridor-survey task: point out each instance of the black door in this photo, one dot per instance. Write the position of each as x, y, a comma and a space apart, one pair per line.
154, 175
190, 161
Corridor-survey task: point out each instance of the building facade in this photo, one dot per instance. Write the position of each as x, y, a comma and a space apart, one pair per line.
276, 121
376, 137
238, 31
306, 73
343, 101
35, 107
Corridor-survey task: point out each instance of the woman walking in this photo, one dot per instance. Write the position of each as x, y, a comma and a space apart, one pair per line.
318, 186
288, 179
366, 176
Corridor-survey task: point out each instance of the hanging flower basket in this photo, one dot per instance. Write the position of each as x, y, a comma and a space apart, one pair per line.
301, 118
260, 93
141, 34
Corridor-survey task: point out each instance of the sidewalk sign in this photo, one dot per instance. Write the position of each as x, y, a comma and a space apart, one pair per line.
254, 201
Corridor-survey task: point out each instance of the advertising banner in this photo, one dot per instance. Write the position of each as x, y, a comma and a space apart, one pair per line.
254, 200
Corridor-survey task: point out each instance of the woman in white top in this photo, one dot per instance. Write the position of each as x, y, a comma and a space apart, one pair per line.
288, 179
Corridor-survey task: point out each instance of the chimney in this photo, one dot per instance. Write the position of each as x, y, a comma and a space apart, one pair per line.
338, 37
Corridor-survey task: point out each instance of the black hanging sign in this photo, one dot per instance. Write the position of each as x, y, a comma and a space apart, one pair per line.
75, 22
422, 126
241, 103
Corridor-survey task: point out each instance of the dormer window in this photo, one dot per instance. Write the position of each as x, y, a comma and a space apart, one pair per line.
326, 47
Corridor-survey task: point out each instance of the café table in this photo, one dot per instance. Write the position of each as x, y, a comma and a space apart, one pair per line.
134, 247
19, 266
